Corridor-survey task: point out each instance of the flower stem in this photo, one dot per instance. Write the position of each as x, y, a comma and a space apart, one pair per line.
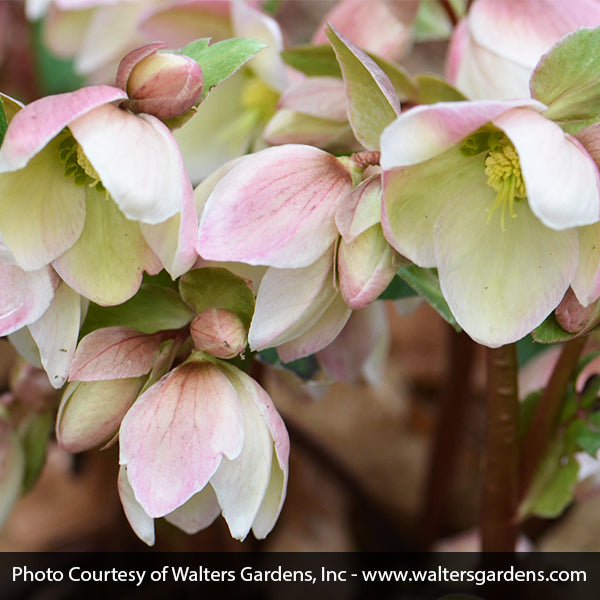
546, 414
449, 10
500, 481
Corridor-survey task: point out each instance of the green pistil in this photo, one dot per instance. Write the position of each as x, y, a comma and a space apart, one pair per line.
504, 175
77, 164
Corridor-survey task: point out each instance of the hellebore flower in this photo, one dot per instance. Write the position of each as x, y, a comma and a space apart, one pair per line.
495, 196
279, 206
494, 50
208, 435
96, 191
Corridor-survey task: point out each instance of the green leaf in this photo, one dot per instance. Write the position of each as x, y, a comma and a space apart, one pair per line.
35, 435
215, 287
426, 283
314, 61
550, 332
567, 79
433, 89
528, 348
154, 308
372, 100
397, 289
405, 87
305, 367
195, 49
223, 59
586, 437
552, 489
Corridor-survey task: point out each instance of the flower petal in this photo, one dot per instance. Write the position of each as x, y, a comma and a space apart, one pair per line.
137, 160
289, 301
24, 296
586, 282
562, 180
41, 212
366, 266
361, 209
56, 332
108, 260
320, 334
115, 353
322, 97
274, 208
428, 130
141, 523
192, 412
501, 284
197, 513
37, 123
413, 198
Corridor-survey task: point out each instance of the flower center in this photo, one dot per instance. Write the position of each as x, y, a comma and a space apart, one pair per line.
503, 170
259, 98
77, 164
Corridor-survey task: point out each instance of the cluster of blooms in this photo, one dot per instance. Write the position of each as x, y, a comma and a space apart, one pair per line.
315, 186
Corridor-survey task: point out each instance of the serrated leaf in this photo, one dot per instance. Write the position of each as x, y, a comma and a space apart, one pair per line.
433, 89
372, 100
567, 78
195, 49
215, 287
314, 61
426, 283
154, 308
221, 60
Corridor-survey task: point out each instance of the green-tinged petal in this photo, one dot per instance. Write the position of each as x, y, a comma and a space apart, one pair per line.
41, 211
107, 262
586, 283
320, 334
55, 334
414, 196
501, 284
197, 513
141, 522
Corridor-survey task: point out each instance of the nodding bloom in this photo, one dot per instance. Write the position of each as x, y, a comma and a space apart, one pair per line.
500, 200
495, 48
96, 191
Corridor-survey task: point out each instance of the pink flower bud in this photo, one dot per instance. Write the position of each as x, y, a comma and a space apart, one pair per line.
160, 83
573, 317
219, 332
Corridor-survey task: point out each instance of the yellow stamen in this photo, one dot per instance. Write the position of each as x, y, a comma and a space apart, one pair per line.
258, 97
504, 175
84, 162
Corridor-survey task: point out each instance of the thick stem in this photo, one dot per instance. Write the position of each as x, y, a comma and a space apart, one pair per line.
448, 435
545, 418
500, 481
449, 10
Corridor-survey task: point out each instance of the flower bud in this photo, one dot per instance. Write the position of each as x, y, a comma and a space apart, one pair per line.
160, 83
219, 332
573, 317
91, 411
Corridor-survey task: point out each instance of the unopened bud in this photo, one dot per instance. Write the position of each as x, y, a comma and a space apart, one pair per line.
573, 317
160, 83
219, 332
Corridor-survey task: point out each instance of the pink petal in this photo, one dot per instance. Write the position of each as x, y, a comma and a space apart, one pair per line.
562, 181
197, 513
174, 437
361, 209
379, 26
36, 124
322, 97
426, 131
275, 208
133, 58
24, 296
137, 160
115, 353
